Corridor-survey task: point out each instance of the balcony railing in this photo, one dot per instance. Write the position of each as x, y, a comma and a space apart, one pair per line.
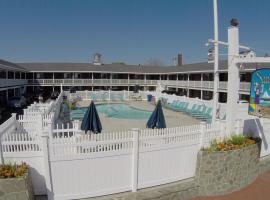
244, 86
12, 82
204, 85
90, 82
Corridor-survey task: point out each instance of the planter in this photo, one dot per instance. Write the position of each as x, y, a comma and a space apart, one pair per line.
16, 188
223, 172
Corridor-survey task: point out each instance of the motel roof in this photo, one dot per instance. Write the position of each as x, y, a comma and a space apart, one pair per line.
136, 69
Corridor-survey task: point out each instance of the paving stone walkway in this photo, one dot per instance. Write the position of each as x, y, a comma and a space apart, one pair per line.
258, 190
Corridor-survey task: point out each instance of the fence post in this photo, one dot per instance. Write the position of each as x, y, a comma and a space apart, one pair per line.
238, 126
46, 157
109, 95
223, 128
203, 130
40, 124
135, 159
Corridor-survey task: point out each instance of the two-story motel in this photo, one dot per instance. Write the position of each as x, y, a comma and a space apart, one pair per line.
192, 80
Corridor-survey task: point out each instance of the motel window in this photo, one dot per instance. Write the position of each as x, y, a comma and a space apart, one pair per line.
58, 75
68, 75
10, 75
86, 75
22, 75
172, 77
29, 75
17, 75
3, 74
152, 77
48, 75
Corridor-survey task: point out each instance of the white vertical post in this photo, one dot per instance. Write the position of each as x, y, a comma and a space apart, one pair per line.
39, 124
203, 130
216, 74
124, 95
201, 86
109, 94
233, 78
45, 150
238, 126
188, 85
223, 128
128, 93
61, 87
135, 159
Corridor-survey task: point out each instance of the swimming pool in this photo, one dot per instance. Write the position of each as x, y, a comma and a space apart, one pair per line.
115, 110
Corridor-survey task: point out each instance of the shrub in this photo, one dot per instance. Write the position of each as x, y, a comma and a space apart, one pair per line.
233, 142
13, 170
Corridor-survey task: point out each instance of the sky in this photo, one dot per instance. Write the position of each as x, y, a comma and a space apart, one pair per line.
130, 31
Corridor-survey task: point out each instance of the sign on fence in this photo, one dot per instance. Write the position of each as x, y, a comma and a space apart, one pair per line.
259, 103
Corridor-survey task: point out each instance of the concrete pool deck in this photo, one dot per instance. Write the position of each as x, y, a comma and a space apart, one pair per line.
173, 118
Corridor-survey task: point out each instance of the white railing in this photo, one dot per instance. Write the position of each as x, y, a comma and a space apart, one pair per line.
107, 95
90, 82
244, 86
12, 82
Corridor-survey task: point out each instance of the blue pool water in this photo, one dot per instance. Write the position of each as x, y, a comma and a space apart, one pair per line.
118, 111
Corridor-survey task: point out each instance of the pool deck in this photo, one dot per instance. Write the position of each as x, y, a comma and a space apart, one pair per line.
173, 119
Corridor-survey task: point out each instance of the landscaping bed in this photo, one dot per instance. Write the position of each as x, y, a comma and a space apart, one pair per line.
228, 166
15, 182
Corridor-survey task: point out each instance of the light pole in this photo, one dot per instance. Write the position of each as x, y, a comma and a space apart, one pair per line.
216, 74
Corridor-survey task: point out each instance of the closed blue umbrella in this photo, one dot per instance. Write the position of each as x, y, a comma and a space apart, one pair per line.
157, 119
91, 121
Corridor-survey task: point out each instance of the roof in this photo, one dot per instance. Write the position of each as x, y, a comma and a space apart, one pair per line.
115, 68
121, 68
10, 66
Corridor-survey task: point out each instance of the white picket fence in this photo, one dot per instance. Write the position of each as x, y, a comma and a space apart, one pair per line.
65, 163
21, 140
107, 95
124, 161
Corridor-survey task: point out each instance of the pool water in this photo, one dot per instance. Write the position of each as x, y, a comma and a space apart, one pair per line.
118, 111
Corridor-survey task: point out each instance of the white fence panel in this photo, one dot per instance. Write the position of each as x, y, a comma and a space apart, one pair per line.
171, 155
88, 166
18, 146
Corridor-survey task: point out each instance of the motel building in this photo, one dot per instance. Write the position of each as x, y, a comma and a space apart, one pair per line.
192, 80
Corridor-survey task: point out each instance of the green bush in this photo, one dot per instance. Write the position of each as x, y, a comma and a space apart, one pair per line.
237, 139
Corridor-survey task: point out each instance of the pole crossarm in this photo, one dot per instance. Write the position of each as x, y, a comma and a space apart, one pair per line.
226, 44
252, 60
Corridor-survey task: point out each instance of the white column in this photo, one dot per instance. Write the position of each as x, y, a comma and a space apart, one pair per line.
46, 157
216, 74
203, 129
233, 78
201, 86
135, 159
187, 85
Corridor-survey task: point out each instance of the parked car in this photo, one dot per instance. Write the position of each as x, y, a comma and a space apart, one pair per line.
17, 102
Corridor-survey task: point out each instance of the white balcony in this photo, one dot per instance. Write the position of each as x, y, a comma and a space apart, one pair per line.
12, 82
90, 82
202, 85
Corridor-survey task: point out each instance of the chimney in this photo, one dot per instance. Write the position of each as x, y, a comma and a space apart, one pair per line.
97, 59
178, 60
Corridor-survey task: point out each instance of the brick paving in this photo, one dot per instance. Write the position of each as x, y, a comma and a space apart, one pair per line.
258, 190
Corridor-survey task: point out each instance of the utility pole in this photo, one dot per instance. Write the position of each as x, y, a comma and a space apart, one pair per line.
216, 74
